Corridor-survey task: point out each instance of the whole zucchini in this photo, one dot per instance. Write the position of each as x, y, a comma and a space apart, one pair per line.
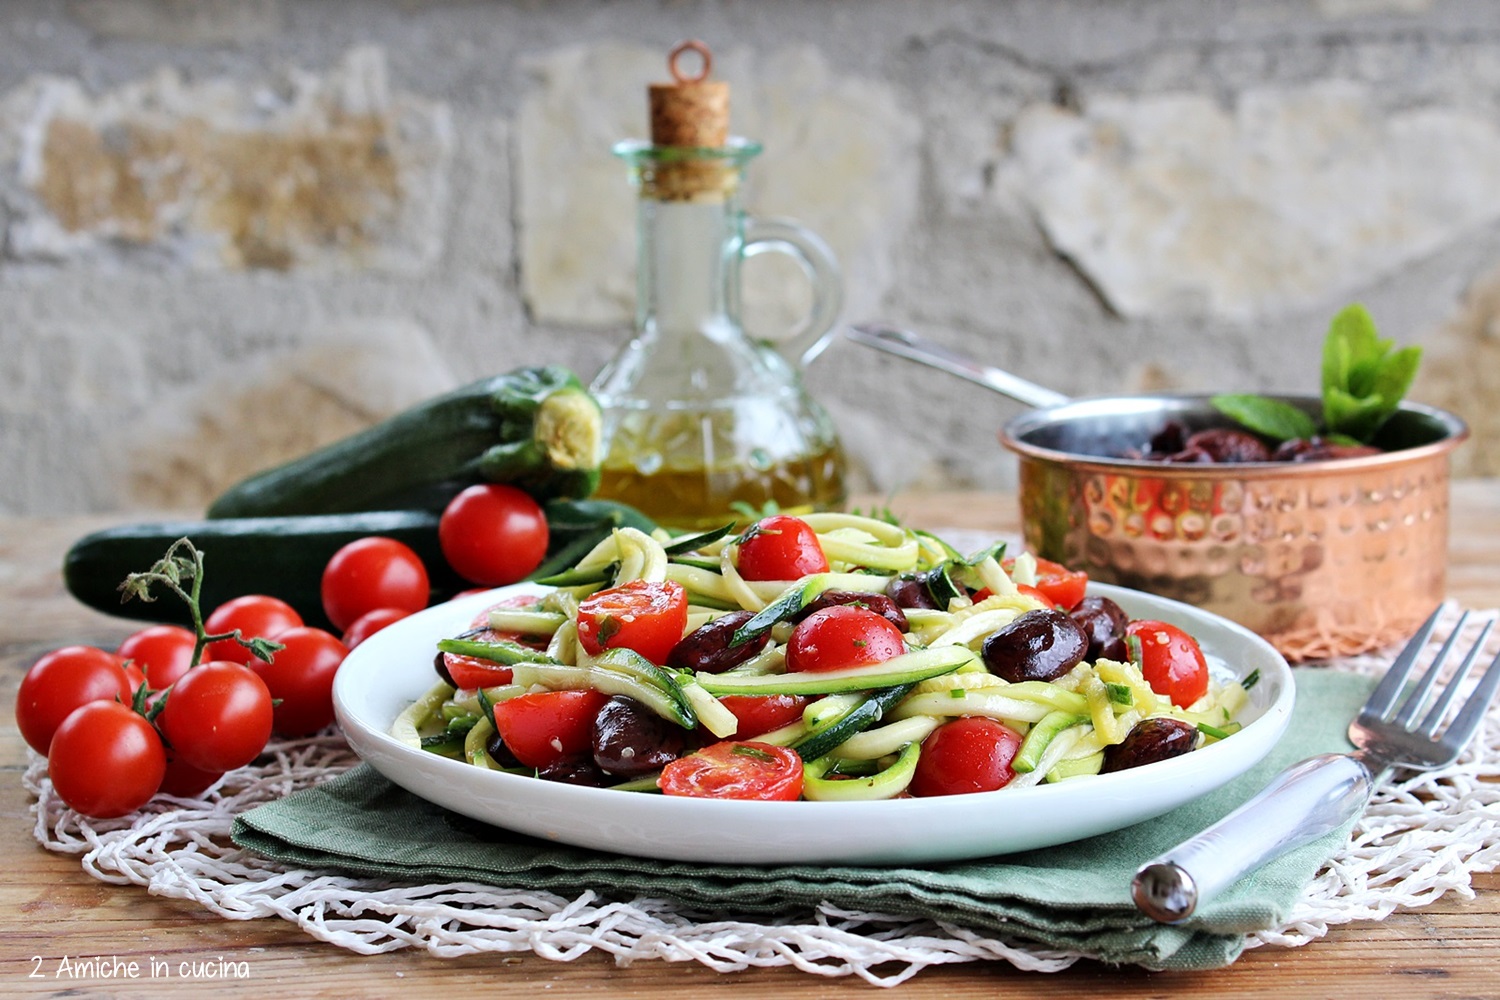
535, 428
284, 556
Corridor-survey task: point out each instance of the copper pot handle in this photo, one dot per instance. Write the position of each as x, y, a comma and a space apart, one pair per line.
905, 344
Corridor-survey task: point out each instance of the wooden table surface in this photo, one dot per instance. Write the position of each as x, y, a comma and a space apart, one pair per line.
50, 908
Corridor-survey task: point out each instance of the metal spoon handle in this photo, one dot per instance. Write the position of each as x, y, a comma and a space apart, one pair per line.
905, 344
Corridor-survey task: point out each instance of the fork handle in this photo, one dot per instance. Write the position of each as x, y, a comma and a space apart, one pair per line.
1300, 804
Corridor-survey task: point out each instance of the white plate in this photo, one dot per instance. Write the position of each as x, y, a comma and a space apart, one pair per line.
387, 672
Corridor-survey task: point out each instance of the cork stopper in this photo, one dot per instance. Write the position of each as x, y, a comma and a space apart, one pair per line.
691, 111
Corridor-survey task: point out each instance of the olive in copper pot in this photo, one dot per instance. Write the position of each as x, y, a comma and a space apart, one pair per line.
1149, 741
707, 647
1103, 622
1228, 444
1037, 646
878, 603
631, 740
909, 590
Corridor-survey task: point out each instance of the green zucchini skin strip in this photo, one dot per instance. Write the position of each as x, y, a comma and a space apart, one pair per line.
500, 651
859, 718
485, 431
905, 669
886, 784
618, 671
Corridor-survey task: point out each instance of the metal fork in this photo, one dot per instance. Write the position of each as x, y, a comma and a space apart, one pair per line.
1321, 793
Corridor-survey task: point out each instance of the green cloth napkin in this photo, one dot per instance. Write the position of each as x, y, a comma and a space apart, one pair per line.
1074, 897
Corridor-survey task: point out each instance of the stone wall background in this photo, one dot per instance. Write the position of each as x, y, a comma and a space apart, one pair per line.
234, 229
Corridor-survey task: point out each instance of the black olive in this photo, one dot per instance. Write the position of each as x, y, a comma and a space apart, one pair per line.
1103, 622
1037, 646
1149, 741
631, 740
707, 647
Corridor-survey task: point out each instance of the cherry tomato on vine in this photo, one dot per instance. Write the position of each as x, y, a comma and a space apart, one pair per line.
736, 769
970, 754
761, 713
370, 573
218, 716
780, 547
300, 677
106, 760
257, 616
185, 780
1060, 585
549, 726
493, 534
1171, 661
841, 636
646, 616
60, 682
163, 652
371, 622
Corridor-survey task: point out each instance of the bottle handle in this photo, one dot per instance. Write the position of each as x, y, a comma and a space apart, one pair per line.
821, 267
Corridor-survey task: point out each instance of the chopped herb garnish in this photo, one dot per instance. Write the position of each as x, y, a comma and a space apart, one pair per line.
1120, 694
1251, 679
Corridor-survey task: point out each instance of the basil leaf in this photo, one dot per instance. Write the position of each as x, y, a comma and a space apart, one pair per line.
1271, 417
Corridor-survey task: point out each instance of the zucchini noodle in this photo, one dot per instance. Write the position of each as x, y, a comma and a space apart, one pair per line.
858, 729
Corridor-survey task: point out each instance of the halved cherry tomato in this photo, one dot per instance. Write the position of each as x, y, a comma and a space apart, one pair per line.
646, 616
780, 547
736, 769
844, 635
1061, 586
971, 754
1171, 661
549, 726
471, 671
761, 713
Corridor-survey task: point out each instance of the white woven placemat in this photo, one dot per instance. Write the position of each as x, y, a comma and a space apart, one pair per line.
1420, 839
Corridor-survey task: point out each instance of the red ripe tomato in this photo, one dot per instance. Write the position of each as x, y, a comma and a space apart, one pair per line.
218, 716
642, 615
780, 547
493, 534
60, 682
841, 636
106, 760
257, 616
371, 573
1059, 585
184, 780
761, 713
736, 769
1171, 661
549, 726
971, 754
163, 652
300, 678
473, 672
371, 622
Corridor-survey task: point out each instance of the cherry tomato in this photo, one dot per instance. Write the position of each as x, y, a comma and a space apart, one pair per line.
549, 726
257, 616
473, 672
736, 769
493, 534
1059, 585
218, 716
780, 547
642, 615
371, 622
1171, 661
761, 713
300, 678
163, 652
971, 754
184, 780
106, 760
844, 635
371, 573
137, 677
61, 681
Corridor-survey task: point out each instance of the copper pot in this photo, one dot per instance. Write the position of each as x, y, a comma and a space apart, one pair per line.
1326, 558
